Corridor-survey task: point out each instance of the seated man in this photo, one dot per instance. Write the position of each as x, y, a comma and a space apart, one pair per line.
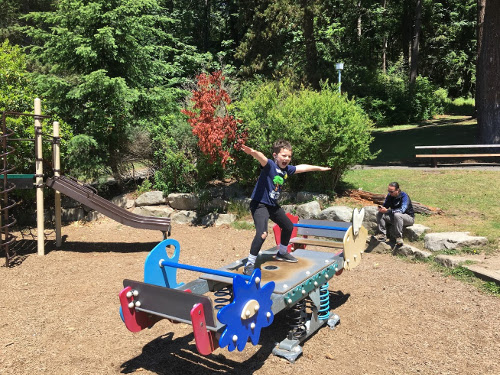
397, 210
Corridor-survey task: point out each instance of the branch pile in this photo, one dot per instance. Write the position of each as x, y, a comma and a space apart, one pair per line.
378, 199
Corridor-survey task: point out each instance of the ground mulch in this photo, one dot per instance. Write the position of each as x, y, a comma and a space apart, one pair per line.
59, 314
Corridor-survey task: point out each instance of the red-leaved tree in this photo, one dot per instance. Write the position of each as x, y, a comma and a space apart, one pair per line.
218, 132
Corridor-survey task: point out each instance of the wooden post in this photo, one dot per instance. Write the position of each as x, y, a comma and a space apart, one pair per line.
57, 172
39, 178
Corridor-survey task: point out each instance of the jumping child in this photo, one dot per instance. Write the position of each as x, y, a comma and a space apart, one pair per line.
265, 195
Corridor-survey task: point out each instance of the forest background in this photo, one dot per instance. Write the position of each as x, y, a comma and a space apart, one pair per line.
177, 85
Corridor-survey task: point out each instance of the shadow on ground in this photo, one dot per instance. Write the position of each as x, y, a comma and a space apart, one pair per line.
24, 247
398, 146
166, 355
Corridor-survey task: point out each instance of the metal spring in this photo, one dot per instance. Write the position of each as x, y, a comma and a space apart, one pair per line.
324, 302
296, 317
223, 296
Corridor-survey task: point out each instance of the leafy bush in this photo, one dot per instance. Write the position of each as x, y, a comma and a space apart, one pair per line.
17, 95
460, 106
389, 99
325, 128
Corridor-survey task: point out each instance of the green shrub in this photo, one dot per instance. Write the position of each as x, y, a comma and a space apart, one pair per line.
17, 95
460, 106
389, 99
325, 128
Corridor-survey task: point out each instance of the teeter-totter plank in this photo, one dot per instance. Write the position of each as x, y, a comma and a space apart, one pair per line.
330, 232
314, 242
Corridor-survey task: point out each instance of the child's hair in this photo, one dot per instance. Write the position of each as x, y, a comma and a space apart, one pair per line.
279, 144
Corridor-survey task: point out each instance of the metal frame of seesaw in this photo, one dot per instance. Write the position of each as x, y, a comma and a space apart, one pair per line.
160, 296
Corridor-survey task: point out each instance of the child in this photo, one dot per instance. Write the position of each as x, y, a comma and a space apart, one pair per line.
264, 204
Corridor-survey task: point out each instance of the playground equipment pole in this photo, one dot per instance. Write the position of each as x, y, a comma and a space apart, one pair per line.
39, 177
57, 172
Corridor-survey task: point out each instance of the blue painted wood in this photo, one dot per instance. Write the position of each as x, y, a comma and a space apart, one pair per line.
162, 276
320, 227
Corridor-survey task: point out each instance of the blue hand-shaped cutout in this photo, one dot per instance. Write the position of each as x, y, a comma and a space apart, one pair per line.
230, 315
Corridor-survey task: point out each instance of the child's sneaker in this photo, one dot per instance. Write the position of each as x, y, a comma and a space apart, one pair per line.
380, 237
287, 257
249, 268
399, 241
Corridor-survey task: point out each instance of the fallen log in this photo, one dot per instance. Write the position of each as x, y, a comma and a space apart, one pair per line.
378, 199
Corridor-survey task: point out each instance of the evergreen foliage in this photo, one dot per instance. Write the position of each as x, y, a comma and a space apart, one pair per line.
107, 67
119, 72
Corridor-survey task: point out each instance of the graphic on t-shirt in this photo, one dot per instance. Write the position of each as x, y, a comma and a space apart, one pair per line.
277, 181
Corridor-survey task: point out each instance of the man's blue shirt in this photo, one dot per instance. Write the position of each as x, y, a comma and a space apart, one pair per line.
401, 203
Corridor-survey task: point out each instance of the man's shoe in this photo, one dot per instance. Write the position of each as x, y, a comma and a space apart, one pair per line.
399, 241
380, 237
249, 268
287, 257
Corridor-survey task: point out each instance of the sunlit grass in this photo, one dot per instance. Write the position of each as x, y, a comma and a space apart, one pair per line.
469, 198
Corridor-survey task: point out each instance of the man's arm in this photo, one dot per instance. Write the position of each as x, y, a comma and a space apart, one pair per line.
301, 168
404, 205
257, 155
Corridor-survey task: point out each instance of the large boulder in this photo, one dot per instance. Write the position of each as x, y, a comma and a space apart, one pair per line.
72, 214
218, 219
452, 261
411, 251
156, 211
150, 198
120, 200
184, 217
336, 213
370, 219
452, 240
305, 196
289, 208
414, 231
245, 202
378, 247
309, 210
217, 204
286, 196
183, 201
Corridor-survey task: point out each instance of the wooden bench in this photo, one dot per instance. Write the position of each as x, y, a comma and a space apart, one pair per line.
434, 156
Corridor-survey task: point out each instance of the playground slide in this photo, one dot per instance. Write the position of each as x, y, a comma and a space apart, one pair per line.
91, 199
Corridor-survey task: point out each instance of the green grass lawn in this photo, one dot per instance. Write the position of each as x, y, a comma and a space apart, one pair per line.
397, 144
469, 198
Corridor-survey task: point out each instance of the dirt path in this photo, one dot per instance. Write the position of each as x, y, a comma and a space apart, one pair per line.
60, 315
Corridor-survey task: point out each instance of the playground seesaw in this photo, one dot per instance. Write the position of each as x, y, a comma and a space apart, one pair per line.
228, 309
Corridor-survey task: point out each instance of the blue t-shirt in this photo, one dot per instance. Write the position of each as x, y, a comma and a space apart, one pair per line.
271, 179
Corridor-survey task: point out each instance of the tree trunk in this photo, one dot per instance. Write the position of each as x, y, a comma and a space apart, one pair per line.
311, 67
488, 79
384, 44
359, 20
479, 30
206, 26
372, 198
415, 42
406, 31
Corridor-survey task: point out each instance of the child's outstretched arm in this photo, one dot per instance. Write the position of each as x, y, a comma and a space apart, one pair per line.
259, 156
301, 168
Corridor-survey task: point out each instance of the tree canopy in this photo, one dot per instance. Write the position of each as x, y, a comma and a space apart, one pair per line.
120, 71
